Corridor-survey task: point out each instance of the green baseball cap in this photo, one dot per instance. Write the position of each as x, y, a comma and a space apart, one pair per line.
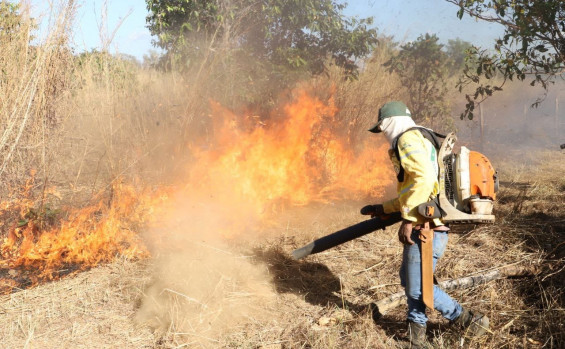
390, 109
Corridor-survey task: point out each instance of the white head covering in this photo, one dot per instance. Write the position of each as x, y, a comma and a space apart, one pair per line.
392, 127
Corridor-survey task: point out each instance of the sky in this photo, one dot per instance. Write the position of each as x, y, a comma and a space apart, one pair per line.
125, 17
405, 20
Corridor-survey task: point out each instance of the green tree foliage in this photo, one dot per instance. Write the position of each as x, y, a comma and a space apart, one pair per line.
422, 68
108, 70
296, 34
457, 52
532, 47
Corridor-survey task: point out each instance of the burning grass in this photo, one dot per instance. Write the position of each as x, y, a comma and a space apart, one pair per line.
221, 275
219, 238
321, 302
244, 175
44, 244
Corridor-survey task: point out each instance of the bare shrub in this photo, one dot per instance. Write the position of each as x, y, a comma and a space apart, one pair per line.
33, 83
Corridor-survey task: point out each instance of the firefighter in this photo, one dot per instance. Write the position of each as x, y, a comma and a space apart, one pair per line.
415, 162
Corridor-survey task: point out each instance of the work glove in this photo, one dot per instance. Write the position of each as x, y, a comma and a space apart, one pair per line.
405, 232
373, 210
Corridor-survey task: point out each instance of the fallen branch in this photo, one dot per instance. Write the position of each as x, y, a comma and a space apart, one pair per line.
385, 305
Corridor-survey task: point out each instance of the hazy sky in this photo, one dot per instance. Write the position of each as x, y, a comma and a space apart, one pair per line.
405, 20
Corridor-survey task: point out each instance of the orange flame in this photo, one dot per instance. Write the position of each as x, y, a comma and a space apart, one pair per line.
253, 167
302, 158
86, 237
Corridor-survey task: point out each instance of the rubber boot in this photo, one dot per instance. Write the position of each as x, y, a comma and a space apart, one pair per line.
416, 336
473, 324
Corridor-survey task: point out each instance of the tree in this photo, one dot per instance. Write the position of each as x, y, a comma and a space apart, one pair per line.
532, 47
421, 66
296, 34
457, 52
152, 59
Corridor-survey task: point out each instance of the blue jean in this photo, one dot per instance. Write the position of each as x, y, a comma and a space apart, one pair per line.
411, 280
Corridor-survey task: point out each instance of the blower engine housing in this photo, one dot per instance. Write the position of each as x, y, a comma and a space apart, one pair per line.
468, 184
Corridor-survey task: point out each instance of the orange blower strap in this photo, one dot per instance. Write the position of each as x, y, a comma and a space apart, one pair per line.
427, 254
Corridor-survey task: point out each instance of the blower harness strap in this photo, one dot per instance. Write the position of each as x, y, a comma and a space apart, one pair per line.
430, 135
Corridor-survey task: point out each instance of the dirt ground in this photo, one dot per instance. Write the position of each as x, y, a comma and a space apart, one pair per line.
323, 301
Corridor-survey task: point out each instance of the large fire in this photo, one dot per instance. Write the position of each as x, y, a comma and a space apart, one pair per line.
301, 158
263, 164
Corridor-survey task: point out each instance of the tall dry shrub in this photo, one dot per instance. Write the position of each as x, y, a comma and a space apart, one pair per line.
128, 121
359, 100
33, 81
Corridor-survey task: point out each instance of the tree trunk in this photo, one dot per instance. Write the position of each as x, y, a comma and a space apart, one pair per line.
385, 305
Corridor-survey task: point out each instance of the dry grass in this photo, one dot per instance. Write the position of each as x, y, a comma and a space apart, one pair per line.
91, 310
324, 301
33, 84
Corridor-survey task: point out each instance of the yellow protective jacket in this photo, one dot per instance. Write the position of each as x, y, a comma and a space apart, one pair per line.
419, 159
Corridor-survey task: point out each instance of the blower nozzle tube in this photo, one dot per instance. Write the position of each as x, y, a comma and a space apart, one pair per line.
347, 234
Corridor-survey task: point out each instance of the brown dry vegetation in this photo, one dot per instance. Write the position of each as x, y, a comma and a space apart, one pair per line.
84, 123
323, 301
